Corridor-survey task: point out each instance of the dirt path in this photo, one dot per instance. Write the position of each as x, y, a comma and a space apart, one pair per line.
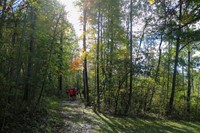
78, 119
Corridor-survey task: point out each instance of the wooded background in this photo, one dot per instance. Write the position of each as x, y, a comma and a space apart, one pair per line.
134, 56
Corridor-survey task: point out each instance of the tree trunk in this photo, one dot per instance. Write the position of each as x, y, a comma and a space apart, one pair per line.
189, 83
168, 70
60, 63
171, 101
110, 71
170, 108
19, 58
131, 60
84, 87
30, 50
85, 76
11, 77
157, 72
117, 97
97, 58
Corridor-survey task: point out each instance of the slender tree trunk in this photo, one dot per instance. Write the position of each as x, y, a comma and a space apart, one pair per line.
60, 82
27, 88
84, 48
159, 60
117, 97
189, 83
168, 69
86, 83
197, 110
183, 79
19, 58
11, 75
110, 71
85, 76
97, 58
60, 65
127, 47
171, 101
131, 59
157, 72
84, 87
170, 108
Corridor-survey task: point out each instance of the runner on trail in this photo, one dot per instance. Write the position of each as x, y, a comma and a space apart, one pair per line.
71, 92
74, 93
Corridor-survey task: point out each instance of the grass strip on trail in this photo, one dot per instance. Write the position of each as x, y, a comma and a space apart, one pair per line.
79, 119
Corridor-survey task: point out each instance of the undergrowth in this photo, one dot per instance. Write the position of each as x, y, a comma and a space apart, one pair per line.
42, 118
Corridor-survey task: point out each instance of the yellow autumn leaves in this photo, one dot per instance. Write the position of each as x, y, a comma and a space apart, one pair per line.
151, 1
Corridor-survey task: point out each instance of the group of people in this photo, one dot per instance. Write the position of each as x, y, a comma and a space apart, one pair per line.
72, 92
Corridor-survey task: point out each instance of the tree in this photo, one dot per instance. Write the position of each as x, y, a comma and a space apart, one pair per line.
131, 58
85, 72
27, 88
97, 58
189, 81
124, 54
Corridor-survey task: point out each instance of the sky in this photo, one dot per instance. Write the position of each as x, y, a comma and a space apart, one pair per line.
73, 15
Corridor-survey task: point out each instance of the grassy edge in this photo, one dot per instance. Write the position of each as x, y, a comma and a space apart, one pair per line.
55, 121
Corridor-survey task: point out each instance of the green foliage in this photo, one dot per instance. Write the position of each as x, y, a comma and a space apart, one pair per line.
30, 59
44, 118
38, 45
156, 28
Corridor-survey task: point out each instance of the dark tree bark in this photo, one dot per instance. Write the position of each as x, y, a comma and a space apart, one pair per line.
84, 88
131, 59
189, 82
171, 101
170, 108
117, 97
11, 71
85, 76
127, 47
168, 69
110, 69
30, 50
97, 58
60, 63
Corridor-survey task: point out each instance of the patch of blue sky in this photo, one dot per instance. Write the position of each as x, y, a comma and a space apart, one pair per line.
14, 5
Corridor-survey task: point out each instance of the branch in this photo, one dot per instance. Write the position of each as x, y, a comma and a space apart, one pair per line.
186, 24
183, 47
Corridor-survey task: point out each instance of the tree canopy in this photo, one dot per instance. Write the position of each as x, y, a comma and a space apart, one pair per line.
134, 57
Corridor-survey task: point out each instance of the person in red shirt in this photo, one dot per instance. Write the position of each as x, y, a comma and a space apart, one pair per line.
71, 92
67, 91
74, 93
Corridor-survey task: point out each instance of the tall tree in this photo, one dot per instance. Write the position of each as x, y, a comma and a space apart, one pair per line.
171, 101
189, 81
97, 58
131, 57
85, 72
60, 62
27, 88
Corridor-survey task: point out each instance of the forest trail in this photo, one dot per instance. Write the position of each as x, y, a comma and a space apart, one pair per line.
78, 119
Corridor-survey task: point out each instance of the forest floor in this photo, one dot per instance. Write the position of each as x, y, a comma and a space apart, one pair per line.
78, 119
